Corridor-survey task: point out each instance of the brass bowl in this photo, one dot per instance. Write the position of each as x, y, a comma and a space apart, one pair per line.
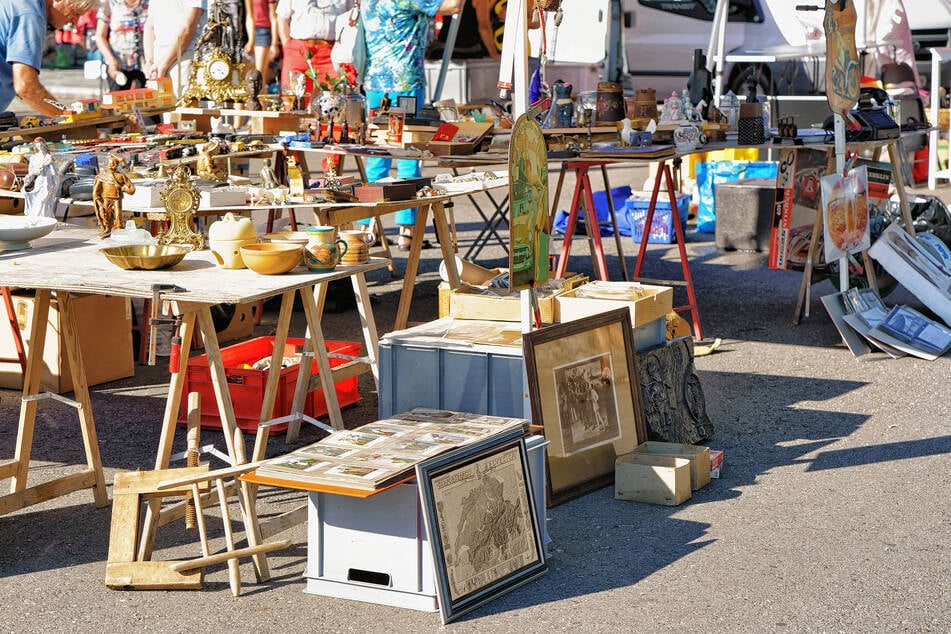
271, 258
145, 256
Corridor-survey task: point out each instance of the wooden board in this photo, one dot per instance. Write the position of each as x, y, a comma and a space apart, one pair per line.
69, 260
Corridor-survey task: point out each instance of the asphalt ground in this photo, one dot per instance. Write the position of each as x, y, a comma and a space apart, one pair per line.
831, 513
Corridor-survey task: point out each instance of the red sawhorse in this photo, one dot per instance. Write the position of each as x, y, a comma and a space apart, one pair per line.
664, 172
583, 198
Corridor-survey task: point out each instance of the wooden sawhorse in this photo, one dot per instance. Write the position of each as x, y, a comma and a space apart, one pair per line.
664, 172
17, 469
583, 196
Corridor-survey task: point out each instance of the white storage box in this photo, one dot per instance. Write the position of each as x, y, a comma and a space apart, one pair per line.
376, 549
423, 367
148, 193
222, 197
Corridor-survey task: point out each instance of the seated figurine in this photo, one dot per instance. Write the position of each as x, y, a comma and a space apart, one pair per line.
205, 166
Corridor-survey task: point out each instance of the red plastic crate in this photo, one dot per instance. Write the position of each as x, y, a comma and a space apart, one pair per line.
247, 385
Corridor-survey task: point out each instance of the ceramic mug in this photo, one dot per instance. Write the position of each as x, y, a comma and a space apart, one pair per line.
324, 249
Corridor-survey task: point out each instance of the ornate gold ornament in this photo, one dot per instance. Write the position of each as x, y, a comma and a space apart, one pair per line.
217, 72
180, 198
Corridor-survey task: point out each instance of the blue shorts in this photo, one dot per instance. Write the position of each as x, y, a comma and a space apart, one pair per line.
262, 36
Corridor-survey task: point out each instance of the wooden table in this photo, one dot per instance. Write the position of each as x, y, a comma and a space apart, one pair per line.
67, 261
344, 213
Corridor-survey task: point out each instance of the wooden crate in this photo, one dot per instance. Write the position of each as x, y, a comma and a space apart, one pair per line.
655, 302
698, 456
644, 477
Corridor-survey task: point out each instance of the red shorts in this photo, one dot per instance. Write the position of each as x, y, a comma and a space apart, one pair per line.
295, 59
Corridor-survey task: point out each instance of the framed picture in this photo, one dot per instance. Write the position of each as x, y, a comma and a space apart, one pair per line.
479, 511
584, 388
407, 104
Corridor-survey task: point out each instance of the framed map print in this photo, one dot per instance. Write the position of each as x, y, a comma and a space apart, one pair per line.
479, 511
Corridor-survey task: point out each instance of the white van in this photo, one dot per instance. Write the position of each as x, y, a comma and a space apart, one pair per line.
660, 37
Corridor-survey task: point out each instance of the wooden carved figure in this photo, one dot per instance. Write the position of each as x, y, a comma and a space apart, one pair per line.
252, 83
110, 186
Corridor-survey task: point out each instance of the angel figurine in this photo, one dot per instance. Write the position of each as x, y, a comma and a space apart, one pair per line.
107, 192
42, 182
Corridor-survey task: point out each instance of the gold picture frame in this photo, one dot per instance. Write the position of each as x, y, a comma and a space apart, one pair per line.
479, 511
584, 388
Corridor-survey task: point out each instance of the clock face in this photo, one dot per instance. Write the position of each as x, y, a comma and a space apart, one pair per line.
219, 70
178, 200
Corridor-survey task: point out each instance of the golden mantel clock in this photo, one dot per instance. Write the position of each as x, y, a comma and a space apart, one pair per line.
215, 77
217, 72
180, 198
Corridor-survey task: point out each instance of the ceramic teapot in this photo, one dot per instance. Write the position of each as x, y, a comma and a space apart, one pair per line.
324, 250
688, 137
227, 236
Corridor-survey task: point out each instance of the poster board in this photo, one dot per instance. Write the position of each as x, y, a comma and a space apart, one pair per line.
528, 205
797, 202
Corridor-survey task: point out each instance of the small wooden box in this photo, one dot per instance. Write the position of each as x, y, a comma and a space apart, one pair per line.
644, 477
698, 456
378, 192
474, 132
655, 302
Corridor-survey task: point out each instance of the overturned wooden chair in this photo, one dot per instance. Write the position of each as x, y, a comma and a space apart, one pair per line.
130, 566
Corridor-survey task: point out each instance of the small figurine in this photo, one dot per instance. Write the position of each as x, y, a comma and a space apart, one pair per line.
253, 82
562, 107
384, 104
107, 192
673, 109
41, 185
268, 176
205, 167
295, 178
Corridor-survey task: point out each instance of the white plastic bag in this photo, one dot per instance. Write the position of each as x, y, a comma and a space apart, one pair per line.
350, 45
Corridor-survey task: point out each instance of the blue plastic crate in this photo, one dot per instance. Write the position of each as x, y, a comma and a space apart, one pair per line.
662, 225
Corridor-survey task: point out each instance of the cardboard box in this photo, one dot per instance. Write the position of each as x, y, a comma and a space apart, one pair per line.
11, 206
466, 137
716, 461
644, 477
698, 456
646, 303
476, 302
104, 326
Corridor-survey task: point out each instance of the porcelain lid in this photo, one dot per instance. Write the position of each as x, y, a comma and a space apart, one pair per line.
232, 228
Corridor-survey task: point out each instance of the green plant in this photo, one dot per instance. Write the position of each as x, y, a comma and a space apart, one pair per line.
327, 83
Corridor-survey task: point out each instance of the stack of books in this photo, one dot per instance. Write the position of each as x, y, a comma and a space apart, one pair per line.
384, 452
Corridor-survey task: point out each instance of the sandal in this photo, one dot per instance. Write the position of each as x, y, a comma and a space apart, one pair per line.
406, 243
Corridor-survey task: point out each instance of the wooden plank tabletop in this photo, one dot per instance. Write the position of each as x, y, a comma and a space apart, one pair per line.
69, 260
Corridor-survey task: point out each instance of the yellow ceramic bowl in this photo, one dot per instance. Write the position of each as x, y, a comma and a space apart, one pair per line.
271, 258
145, 256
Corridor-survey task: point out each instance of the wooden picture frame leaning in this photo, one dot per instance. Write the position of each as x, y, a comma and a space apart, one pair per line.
584, 388
479, 511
